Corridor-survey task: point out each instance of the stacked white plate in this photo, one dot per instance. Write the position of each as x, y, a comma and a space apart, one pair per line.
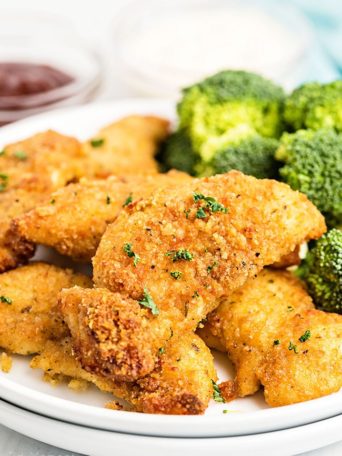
78, 421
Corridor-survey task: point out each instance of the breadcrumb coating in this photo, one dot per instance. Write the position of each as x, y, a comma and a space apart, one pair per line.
276, 338
28, 300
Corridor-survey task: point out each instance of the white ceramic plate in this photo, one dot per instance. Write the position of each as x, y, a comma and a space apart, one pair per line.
95, 442
24, 387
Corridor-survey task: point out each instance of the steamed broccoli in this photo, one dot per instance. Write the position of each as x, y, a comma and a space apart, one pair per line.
313, 165
254, 156
228, 107
315, 106
322, 271
177, 152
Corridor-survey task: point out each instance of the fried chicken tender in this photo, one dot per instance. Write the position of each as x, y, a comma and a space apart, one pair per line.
45, 161
28, 312
14, 249
127, 146
184, 249
275, 337
180, 384
76, 216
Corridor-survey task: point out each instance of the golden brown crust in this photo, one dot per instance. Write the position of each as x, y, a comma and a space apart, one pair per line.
107, 330
28, 299
264, 222
181, 383
127, 146
256, 325
45, 161
76, 216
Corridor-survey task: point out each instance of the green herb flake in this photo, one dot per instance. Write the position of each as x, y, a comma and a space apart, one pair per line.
52, 201
161, 351
147, 301
211, 203
2, 152
195, 295
20, 154
176, 274
97, 142
128, 250
217, 396
225, 411
5, 300
128, 201
290, 308
293, 347
108, 199
187, 212
201, 214
181, 254
3, 181
304, 337
276, 342
211, 267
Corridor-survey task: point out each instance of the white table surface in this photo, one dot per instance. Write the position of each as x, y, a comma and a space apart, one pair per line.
92, 20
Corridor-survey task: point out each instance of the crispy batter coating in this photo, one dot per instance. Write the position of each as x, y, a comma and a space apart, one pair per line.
188, 262
127, 146
13, 248
76, 216
180, 384
45, 161
28, 313
260, 326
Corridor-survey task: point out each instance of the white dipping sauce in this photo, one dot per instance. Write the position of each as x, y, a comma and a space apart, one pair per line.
180, 47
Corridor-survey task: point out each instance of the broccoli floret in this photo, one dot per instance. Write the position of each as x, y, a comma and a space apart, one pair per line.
254, 156
322, 271
228, 107
315, 106
313, 165
177, 152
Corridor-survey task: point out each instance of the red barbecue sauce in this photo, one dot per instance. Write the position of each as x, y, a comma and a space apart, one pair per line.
23, 79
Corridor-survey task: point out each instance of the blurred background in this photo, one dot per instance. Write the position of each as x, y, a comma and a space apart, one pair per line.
123, 48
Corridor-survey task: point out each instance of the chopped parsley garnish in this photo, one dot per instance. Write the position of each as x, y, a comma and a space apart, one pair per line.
276, 342
3, 181
52, 201
97, 142
20, 154
293, 347
187, 212
212, 205
201, 213
211, 267
217, 396
304, 337
290, 308
148, 302
5, 300
108, 200
181, 254
128, 250
2, 152
128, 201
195, 295
176, 274
225, 411
161, 351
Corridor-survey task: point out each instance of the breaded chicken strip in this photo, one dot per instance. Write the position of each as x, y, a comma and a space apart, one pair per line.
14, 249
180, 384
45, 161
181, 251
276, 338
76, 216
28, 313
127, 146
